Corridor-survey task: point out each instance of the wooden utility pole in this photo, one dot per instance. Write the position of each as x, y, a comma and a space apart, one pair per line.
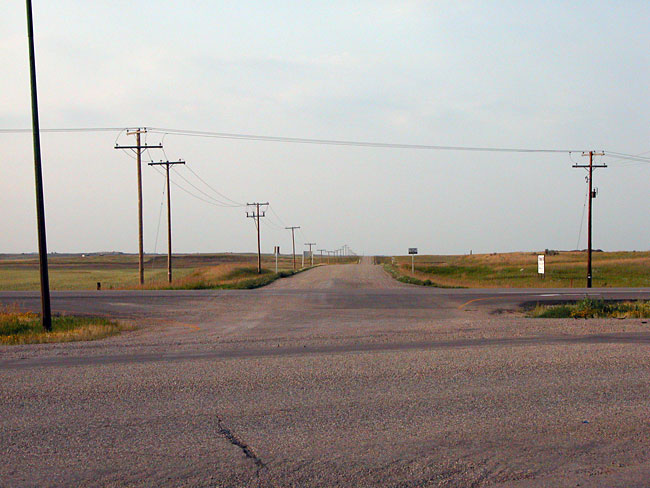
293, 241
138, 149
167, 164
321, 251
311, 254
46, 310
255, 215
592, 194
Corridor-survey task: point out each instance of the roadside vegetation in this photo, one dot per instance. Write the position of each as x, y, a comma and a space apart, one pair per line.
519, 270
18, 327
116, 271
244, 278
589, 308
412, 280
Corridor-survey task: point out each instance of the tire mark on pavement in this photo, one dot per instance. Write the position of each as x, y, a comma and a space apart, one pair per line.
639, 338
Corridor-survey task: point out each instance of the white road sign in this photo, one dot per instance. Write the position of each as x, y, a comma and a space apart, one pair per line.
413, 250
540, 264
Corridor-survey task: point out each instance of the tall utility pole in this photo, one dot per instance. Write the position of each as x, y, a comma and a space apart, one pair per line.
293, 241
46, 310
255, 215
167, 164
592, 195
138, 148
321, 251
311, 254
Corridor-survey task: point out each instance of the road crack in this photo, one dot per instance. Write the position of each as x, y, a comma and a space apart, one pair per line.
245, 448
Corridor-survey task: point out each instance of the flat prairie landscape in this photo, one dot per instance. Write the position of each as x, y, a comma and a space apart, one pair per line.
19, 272
564, 269
118, 271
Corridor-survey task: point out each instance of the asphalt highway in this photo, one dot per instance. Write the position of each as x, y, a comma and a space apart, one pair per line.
336, 376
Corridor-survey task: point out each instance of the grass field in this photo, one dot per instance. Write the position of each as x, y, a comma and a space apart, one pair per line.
519, 270
120, 271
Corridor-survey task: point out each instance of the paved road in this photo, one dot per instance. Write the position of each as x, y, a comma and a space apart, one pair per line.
337, 376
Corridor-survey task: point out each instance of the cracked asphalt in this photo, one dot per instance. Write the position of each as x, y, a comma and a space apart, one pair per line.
338, 376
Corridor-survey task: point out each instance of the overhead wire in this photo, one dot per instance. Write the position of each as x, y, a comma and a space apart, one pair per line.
238, 204
64, 129
218, 202
185, 190
335, 142
344, 142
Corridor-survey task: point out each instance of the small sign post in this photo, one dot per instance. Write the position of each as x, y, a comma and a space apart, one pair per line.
276, 251
540, 265
413, 251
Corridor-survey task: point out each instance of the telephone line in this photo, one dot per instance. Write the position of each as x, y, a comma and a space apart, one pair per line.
225, 204
182, 188
344, 142
331, 142
239, 204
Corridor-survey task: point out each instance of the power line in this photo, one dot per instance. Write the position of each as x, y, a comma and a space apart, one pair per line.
343, 142
331, 142
67, 129
277, 216
223, 204
239, 204
185, 190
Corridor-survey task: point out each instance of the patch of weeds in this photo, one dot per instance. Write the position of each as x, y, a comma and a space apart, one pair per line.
26, 328
412, 280
590, 308
245, 272
258, 280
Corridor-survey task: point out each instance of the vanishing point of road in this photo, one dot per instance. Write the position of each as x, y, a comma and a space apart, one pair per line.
336, 376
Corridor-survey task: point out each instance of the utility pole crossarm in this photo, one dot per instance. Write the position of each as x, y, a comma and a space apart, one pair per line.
166, 163
145, 146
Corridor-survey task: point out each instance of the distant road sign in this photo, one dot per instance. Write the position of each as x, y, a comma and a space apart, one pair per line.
276, 250
540, 264
413, 250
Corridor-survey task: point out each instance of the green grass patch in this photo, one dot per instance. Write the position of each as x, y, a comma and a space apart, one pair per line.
26, 328
589, 308
394, 272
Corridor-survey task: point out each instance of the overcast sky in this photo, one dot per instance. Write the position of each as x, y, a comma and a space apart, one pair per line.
556, 75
